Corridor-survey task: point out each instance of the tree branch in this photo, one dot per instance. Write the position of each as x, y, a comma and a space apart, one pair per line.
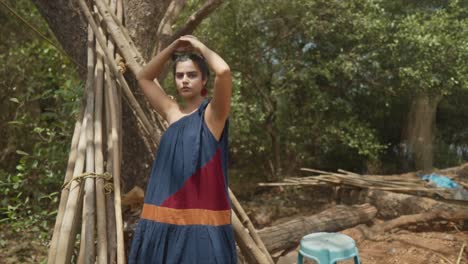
164, 34
196, 18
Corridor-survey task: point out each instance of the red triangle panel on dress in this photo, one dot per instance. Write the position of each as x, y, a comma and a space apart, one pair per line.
205, 189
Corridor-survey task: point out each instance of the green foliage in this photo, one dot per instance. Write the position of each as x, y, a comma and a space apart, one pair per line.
329, 83
286, 72
452, 147
13, 30
39, 103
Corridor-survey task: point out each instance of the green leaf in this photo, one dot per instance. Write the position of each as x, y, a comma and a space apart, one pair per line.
20, 152
15, 122
13, 99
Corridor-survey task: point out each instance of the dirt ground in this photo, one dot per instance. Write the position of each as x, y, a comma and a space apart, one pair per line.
414, 248
23, 247
427, 243
402, 247
405, 247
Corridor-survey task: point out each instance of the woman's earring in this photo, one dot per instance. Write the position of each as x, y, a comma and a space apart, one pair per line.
204, 92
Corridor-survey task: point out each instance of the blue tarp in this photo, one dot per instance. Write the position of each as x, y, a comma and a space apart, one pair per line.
440, 181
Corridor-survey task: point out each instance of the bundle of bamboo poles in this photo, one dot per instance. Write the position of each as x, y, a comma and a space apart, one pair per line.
91, 192
394, 183
95, 153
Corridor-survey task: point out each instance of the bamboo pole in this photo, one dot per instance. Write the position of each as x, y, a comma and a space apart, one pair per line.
137, 110
348, 172
460, 255
89, 209
132, 57
116, 170
250, 250
119, 34
117, 233
67, 233
117, 8
99, 160
371, 182
111, 227
82, 251
110, 209
65, 191
244, 218
111, 234
316, 171
120, 11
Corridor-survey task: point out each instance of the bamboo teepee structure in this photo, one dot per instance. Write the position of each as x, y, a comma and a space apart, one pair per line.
91, 194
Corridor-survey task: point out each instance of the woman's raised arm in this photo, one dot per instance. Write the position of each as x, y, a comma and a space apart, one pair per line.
219, 107
158, 99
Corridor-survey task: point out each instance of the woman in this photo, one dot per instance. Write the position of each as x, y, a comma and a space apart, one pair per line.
186, 217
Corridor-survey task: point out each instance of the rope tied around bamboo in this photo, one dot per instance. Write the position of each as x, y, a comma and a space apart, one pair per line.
106, 176
121, 66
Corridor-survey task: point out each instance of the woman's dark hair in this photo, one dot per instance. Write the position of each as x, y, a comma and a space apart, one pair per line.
197, 59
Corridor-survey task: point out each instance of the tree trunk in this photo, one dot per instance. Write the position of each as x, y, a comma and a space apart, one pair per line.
418, 218
69, 27
287, 235
392, 205
418, 134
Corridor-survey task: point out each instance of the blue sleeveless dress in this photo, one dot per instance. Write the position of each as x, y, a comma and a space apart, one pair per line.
186, 217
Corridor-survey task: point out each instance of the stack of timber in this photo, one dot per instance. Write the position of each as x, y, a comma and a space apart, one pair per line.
91, 191
399, 199
407, 183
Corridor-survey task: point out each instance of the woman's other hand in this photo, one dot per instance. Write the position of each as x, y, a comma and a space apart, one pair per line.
182, 46
192, 42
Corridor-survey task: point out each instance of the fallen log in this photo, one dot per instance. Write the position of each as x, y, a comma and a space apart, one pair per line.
392, 205
418, 218
287, 235
362, 232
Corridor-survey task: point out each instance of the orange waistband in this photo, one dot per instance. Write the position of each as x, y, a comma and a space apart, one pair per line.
185, 216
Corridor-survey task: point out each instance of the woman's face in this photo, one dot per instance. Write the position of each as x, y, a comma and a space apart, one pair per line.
188, 79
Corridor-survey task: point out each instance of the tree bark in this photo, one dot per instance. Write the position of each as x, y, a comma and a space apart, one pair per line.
141, 18
392, 205
196, 18
69, 27
418, 218
287, 235
165, 27
418, 134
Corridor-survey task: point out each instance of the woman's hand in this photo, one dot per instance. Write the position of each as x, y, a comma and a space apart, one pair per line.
182, 46
192, 42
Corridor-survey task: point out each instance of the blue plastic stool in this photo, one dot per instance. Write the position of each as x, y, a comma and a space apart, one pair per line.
328, 248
